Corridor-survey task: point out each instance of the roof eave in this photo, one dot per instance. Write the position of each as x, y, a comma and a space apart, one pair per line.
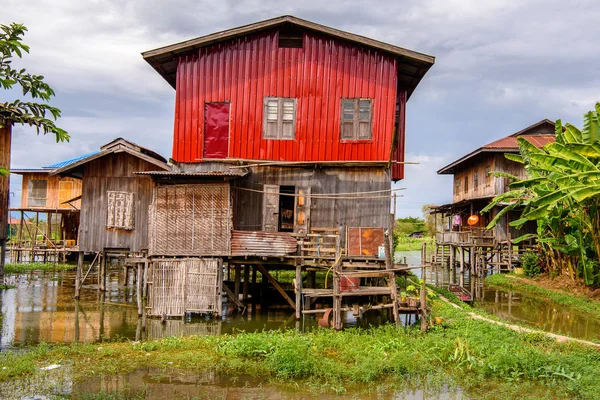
156, 57
448, 169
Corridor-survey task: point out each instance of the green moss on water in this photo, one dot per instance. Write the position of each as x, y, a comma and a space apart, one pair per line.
578, 302
485, 360
36, 266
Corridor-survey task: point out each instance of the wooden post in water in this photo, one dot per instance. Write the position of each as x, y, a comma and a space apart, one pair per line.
103, 274
138, 294
298, 290
236, 284
246, 282
78, 275
145, 284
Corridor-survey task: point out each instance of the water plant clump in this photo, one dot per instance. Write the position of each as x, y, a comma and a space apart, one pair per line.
37, 266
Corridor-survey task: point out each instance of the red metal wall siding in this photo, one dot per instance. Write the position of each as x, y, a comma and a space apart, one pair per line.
398, 153
246, 70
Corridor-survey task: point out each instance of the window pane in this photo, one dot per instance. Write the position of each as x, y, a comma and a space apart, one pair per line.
348, 110
364, 110
288, 110
272, 110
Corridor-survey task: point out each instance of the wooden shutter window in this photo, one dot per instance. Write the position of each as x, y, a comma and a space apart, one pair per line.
356, 119
120, 210
36, 196
280, 118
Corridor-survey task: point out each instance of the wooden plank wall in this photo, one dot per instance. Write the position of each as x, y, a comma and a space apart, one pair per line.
54, 196
324, 213
487, 187
114, 172
5, 136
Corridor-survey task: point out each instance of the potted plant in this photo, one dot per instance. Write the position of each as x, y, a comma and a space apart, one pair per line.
413, 296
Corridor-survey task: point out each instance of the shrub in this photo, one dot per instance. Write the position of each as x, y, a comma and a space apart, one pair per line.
531, 265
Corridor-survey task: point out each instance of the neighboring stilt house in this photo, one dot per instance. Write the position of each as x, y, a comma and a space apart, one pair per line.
288, 135
114, 199
50, 199
474, 188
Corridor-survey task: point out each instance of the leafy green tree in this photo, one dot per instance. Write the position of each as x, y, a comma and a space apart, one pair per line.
38, 114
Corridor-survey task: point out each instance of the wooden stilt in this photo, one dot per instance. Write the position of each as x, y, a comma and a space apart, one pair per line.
298, 290
145, 280
424, 296
236, 284
246, 282
2, 256
139, 288
452, 253
78, 275
462, 259
103, 272
276, 285
337, 303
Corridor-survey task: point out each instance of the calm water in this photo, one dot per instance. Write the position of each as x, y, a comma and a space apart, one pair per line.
159, 384
41, 309
515, 307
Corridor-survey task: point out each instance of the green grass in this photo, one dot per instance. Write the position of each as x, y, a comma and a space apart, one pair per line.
405, 243
485, 360
37, 266
580, 303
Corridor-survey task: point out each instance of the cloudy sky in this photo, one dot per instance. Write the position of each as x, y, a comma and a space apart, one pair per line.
501, 65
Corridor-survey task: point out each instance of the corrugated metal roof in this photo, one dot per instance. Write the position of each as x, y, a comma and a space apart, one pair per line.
64, 163
511, 142
237, 172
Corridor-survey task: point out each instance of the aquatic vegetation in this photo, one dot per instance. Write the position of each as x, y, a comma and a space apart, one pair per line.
37, 266
462, 350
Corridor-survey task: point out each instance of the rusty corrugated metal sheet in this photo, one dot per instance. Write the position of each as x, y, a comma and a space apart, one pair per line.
234, 172
258, 243
511, 142
365, 241
245, 70
398, 154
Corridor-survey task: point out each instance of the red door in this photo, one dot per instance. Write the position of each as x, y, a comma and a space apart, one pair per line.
216, 130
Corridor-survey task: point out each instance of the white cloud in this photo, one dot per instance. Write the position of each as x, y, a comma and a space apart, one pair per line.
501, 65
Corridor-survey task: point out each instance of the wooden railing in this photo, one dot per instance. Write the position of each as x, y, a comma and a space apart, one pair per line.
473, 236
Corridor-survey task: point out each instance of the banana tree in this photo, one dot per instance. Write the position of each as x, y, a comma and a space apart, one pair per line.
562, 193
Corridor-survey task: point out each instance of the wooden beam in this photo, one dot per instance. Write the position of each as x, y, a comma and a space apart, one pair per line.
232, 297
275, 284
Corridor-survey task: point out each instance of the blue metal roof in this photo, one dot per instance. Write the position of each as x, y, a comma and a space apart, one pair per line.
64, 163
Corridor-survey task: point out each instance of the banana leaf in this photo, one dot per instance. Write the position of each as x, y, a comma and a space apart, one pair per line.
523, 237
514, 157
583, 192
500, 214
591, 128
554, 163
565, 152
570, 134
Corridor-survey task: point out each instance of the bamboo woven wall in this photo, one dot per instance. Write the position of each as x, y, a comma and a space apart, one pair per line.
190, 220
185, 285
